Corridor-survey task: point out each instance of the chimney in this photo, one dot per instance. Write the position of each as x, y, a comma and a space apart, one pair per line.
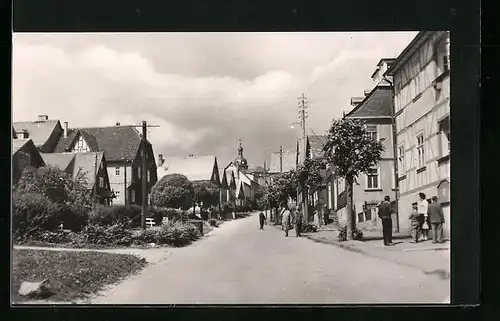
65, 129
355, 101
43, 117
118, 123
161, 160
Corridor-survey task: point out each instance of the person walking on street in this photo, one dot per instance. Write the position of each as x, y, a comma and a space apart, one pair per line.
262, 219
282, 210
326, 214
422, 216
385, 212
414, 224
436, 217
298, 221
286, 220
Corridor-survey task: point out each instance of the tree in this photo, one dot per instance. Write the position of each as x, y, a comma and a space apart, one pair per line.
352, 152
71, 196
174, 191
206, 193
261, 197
282, 188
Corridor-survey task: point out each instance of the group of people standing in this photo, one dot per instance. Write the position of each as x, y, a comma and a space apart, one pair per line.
425, 216
291, 215
422, 217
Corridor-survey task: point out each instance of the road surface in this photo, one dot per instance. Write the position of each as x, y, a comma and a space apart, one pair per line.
238, 263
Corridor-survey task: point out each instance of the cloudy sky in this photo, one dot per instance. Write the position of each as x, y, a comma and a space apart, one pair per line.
204, 90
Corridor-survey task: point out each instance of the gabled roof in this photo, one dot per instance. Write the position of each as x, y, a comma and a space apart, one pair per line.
419, 39
59, 160
222, 177
118, 142
195, 168
39, 131
378, 103
289, 161
230, 178
73, 163
17, 144
86, 162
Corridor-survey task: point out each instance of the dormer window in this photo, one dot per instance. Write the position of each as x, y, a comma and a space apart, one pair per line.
22, 134
80, 146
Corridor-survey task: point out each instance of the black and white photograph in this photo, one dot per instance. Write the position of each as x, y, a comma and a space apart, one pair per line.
231, 168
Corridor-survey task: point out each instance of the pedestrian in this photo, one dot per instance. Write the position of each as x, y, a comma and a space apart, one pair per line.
298, 221
326, 214
414, 224
385, 212
436, 218
422, 216
286, 220
262, 219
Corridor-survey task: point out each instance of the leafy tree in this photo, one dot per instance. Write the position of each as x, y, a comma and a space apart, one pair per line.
309, 173
282, 188
174, 191
206, 193
352, 152
261, 197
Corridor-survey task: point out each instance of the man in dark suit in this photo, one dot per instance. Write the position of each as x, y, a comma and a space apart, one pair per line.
385, 212
436, 218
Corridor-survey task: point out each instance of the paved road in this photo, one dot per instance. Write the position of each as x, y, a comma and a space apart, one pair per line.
238, 263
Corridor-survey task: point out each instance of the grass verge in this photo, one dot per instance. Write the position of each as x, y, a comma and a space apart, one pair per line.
72, 275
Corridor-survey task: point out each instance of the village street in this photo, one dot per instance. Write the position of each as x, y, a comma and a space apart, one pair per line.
238, 263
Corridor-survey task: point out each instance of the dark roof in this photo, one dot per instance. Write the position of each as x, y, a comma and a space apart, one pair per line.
117, 142
316, 143
17, 144
376, 104
38, 131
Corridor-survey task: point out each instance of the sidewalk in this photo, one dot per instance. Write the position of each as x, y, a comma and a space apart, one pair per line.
425, 256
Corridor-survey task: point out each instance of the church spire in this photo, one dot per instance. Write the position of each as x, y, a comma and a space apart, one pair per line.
240, 148
240, 161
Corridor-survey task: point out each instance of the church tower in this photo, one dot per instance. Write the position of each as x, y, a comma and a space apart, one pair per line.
241, 161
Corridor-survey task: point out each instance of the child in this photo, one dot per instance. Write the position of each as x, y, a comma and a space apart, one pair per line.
415, 224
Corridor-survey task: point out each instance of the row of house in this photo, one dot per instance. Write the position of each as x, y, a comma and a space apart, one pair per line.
109, 157
237, 185
409, 108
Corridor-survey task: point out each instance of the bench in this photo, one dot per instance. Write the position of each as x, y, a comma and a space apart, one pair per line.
150, 222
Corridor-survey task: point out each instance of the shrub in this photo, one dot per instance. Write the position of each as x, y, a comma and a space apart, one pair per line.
309, 228
357, 234
212, 222
172, 233
74, 217
116, 234
110, 215
33, 212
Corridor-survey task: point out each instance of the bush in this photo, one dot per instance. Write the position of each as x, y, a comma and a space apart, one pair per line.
74, 217
212, 222
33, 212
173, 234
110, 215
357, 234
116, 234
309, 228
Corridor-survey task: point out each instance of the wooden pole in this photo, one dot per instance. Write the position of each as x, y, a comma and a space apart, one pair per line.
144, 176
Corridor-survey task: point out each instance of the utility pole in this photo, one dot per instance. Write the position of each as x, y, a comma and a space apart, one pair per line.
265, 182
96, 181
394, 151
303, 105
281, 159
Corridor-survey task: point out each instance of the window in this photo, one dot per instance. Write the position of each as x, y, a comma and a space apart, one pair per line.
401, 160
138, 172
329, 195
132, 196
101, 181
117, 171
442, 57
393, 179
361, 217
372, 178
341, 186
117, 195
149, 175
420, 150
444, 136
371, 131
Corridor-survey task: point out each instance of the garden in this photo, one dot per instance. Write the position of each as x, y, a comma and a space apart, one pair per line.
51, 208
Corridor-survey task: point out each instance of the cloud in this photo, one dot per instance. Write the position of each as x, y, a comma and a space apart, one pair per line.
204, 95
